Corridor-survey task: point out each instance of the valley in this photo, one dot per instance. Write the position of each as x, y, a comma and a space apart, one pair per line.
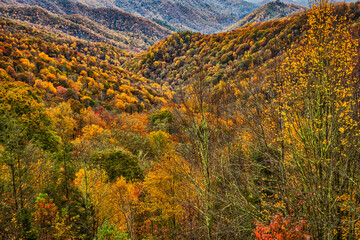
116, 125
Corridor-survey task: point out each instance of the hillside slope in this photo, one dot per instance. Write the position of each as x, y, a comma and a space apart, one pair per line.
109, 24
236, 7
196, 15
223, 57
64, 69
270, 11
219, 57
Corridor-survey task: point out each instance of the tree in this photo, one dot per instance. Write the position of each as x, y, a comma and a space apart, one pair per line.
117, 163
317, 102
94, 190
122, 205
22, 105
281, 228
25, 128
199, 150
169, 197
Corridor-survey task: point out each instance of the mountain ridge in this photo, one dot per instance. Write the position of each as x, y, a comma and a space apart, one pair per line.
206, 16
65, 68
270, 11
114, 25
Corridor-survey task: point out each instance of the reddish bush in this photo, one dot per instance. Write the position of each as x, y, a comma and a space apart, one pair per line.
281, 228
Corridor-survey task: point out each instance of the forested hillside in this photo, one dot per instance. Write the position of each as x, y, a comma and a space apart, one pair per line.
107, 25
270, 11
219, 57
236, 7
195, 15
252, 49
249, 134
64, 68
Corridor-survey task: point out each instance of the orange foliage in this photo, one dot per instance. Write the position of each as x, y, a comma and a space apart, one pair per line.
281, 228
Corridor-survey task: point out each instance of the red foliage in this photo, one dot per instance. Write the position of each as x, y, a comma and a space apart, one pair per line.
281, 228
61, 91
103, 114
46, 212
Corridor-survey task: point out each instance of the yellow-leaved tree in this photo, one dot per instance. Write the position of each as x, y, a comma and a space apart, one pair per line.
122, 204
317, 104
94, 189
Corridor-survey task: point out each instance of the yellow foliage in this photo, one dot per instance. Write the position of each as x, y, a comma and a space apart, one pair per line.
43, 56
94, 189
122, 201
120, 105
110, 92
48, 86
168, 190
315, 103
41, 170
65, 125
92, 131
317, 86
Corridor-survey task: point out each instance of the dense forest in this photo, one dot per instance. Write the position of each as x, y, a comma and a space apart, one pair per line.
249, 134
206, 16
270, 11
108, 25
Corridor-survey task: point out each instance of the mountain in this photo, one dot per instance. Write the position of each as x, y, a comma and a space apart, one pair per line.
207, 16
305, 3
225, 56
221, 57
251, 132
64, 68
236, 7
270, 11
109, 25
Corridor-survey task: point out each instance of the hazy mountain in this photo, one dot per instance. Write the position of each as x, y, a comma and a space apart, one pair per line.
270, 11
205, 16
305, 3
236, 7
109, 25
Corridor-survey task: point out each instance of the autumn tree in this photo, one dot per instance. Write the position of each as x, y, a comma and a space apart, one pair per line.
169, 194
199, 150
92, 184
317, 102
25, 128
122, 205
65, 126
281, 228
49, 222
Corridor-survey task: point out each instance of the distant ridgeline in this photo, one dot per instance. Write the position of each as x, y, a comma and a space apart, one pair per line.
108, 25
270, 11
207, 16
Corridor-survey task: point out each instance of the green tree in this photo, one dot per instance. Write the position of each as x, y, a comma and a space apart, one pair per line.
25, 128
118, 163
